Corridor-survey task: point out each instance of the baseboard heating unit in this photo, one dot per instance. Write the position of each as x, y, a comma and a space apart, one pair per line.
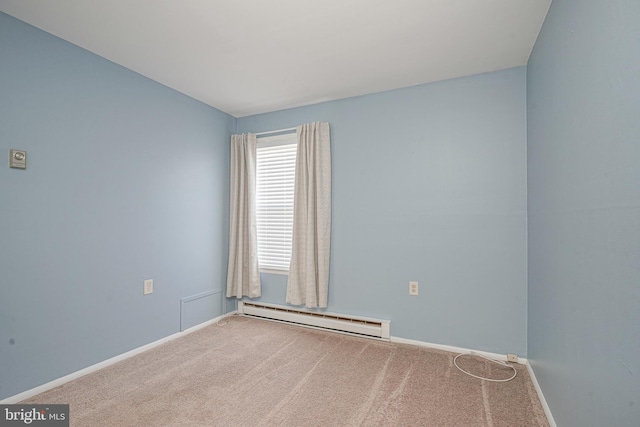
354, 325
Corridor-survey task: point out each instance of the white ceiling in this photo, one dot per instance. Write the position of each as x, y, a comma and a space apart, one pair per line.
253, 56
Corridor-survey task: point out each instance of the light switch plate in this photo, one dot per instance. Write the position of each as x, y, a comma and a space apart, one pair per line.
17, 159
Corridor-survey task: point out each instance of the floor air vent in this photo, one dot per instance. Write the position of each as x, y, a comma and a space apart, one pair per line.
330, 321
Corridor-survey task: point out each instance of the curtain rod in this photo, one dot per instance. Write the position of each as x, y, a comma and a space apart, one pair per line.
274, 131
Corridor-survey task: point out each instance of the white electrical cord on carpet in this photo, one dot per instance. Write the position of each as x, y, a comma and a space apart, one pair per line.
499, 362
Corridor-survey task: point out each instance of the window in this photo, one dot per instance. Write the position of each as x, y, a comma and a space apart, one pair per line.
275, 178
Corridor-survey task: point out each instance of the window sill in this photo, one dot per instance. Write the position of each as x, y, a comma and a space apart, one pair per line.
269, 271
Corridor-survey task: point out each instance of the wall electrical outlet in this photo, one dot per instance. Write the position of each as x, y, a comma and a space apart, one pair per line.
17, 159
413, 288
513, 358
148, 287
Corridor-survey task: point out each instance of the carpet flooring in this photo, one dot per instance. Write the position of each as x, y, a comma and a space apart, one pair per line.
252, 372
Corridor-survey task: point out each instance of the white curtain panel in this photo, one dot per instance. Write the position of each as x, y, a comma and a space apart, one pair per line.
243, 275
308, 282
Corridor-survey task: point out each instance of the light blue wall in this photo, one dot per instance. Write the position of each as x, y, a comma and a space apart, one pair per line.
584, 212
429, 185
126, 180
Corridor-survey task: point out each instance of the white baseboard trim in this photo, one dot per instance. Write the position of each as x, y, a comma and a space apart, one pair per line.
543, 401
93, 368
497, 356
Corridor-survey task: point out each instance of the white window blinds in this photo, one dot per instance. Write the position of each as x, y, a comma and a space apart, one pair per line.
275, 178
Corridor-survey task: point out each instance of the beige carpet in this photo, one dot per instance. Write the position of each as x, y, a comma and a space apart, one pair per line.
250, 372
